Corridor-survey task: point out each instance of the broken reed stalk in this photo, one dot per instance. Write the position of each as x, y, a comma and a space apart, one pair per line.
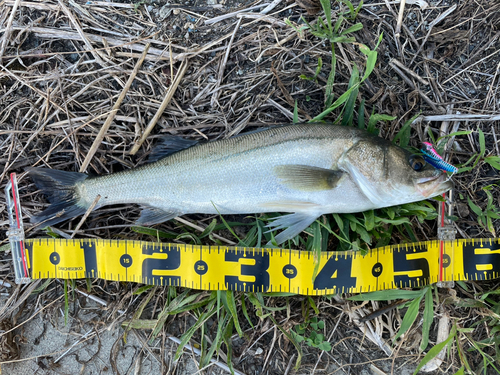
400, 18
166, 101
112, 114
8, 29
87, 213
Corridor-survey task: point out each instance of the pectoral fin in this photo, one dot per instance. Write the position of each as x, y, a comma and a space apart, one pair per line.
307, 178
151, 215
295, 223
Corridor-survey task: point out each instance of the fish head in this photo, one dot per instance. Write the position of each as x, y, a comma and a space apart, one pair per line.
389, 175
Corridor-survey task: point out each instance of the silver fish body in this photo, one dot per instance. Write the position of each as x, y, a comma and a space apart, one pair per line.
308, 170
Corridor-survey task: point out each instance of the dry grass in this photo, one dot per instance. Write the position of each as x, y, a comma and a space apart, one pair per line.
67, 101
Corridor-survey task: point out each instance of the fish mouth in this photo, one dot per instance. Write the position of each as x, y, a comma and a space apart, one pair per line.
434, 185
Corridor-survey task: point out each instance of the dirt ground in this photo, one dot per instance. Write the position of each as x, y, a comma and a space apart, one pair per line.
64, 65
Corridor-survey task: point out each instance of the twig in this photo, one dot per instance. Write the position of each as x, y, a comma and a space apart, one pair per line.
8, 29
460, 117
32, 5
197, 227
87, 213
339, 319
99, 58
400, 18
260, 17
441, 17
393, 62
270, 7
495, 139
166, 101
232, 14
410, 83
198, 352
72, 346
215, 95
111, 116
49, 33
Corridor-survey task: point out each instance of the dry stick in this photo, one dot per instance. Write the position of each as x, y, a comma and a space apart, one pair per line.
32, 5
166, 101
87, 213
432, 24
111, 116
495, 139
78, 28
460, 117
400, 18
215, 95
43, 32
409, 71
270, 7
470, 66
8, 29
490, 91
197, 227
260, 17
410, 83
232, 14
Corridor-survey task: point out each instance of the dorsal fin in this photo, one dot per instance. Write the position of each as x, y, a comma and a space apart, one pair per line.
168, 145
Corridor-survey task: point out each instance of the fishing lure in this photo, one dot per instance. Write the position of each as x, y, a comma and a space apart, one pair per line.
433, 158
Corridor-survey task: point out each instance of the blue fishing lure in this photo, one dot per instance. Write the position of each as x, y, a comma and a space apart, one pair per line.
433, 158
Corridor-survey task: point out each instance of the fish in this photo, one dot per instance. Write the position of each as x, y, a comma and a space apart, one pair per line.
302, 171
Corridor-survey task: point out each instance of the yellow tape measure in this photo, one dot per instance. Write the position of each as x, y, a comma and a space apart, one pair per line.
265, 270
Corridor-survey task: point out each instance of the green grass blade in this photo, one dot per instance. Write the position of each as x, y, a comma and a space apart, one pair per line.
128, 325
361, 114
409, 318
66, 302
331, 80
434, 351
211, 310
428, 318
171, 309
341, 100
155, 232
385, 295
216, 343
244, 310
349, 106
403, 135
295, 113
292, 339
209, 229
231, 306
327, 8
482, 143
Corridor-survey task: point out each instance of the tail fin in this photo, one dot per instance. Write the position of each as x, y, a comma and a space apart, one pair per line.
61, 190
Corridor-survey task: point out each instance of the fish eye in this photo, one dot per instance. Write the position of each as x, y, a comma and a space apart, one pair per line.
416, 162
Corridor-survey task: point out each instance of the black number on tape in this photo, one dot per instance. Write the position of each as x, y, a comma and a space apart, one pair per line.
149, 265
257, 270
340, 268
474, 261
403, 264
90, 258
